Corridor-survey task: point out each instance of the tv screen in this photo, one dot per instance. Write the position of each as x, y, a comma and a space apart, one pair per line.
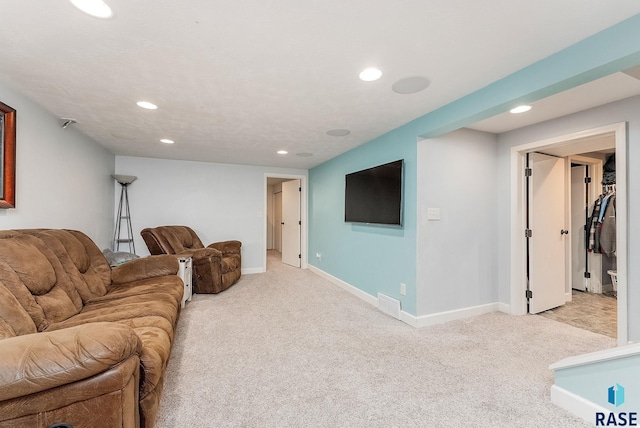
374, 195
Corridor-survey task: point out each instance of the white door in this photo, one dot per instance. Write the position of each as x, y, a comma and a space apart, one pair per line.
578, 221
547, 225
277, 219
291, 222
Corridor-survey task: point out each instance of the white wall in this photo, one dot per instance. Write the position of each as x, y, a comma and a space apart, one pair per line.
626, 110
63, 178
457, 255
218, 201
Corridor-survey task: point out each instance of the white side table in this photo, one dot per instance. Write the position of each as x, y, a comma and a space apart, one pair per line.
185, 274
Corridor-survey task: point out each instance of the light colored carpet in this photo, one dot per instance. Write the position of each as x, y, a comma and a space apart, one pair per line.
288, 349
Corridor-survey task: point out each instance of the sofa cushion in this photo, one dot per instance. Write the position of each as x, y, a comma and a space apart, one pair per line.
5, 330
81, 259
32, 267
146, 303
14, 319
39, 270
171, 285
163, 306
12, 282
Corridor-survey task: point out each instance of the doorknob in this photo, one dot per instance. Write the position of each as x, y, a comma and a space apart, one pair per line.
282, 223
564, 232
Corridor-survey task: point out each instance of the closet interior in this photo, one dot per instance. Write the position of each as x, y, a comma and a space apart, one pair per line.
595, 236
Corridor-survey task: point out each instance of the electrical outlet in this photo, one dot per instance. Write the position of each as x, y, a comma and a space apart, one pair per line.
403, 288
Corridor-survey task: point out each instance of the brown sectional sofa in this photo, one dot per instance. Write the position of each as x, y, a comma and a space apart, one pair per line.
80, 342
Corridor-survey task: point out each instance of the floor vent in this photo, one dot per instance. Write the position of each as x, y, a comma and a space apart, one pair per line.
389, 306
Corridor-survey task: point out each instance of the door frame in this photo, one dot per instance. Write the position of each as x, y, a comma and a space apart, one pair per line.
518, 280
303, 215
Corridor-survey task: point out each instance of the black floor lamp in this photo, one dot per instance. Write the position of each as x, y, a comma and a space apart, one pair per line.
124, 215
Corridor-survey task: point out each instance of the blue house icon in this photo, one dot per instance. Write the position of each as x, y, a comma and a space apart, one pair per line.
616, 395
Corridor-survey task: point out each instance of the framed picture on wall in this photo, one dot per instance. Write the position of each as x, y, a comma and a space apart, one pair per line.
7, 156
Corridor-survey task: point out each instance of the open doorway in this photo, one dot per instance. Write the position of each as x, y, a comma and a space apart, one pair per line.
586, 244
583, 149
285, 235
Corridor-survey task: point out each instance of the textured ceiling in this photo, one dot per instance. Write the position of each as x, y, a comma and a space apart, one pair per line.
237, 81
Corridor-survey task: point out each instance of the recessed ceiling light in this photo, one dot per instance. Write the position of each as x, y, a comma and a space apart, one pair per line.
167, 141
282, 152
95, 8
147, 105
520, 109
411, 85
338, 132
370, 74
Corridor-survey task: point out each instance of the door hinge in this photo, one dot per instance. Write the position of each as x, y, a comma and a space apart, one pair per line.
529, 294
299, 189
300, 222
587, 180
528, 172
299, 256
528, 233
587, 274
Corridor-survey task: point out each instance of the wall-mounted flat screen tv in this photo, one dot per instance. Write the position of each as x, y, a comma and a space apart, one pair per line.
374, 195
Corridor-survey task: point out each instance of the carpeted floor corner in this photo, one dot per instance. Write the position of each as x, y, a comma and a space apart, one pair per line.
288, 349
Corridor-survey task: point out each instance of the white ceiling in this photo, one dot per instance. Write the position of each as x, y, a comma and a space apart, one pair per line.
237, 81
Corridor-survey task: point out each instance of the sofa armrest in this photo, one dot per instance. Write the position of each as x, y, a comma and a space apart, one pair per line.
227, 247
201, 253
148, 267
40, 361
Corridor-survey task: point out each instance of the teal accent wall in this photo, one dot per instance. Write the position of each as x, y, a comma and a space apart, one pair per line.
373, 258
377, 259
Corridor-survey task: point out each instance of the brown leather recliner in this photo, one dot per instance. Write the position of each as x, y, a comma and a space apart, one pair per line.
215, 268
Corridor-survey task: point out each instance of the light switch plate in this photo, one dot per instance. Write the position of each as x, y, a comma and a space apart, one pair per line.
433, 214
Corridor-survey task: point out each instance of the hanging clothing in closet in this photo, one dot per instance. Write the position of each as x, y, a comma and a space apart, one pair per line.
602, 225
608, 228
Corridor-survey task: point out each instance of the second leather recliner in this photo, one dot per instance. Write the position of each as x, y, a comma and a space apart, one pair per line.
215, 267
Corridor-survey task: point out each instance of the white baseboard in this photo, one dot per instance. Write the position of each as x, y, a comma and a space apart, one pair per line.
442, 317
345, 286
503, 307
576, 405
412, 320
251, 271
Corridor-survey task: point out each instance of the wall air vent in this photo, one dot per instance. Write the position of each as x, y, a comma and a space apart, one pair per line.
389, 305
